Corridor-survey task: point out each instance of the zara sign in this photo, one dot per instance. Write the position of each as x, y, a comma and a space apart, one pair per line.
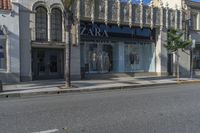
93, 30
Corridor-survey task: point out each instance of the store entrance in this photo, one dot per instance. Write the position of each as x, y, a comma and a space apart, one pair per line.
47, 63
97, 58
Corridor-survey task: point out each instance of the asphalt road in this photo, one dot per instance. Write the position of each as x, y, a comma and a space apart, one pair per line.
166, 109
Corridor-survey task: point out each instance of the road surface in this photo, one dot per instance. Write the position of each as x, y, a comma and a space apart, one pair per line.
164, 109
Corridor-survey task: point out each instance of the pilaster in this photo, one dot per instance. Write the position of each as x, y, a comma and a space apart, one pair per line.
151, 14
161, 15
78, 10
130, 12
181, 19
49, 26
106, 12
176, 16
198, 21
92, 10
167, 17
118, 12
141, 13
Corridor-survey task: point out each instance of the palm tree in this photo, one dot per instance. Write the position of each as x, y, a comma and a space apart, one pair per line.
69, 20
176, 43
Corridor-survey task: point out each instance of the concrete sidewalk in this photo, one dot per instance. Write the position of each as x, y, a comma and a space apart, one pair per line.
54, 86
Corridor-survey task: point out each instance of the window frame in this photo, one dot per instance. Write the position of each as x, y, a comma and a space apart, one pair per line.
40, 22
56, 25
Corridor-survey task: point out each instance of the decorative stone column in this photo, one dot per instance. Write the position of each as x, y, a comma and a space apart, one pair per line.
198, 21
141, 13
63, 29
176, 16
49, 26
92, 10
151, 5
8, 54
161, 15
118, 12
78, 23
130, 13
167, 15
181, 19
106, 12
78, 10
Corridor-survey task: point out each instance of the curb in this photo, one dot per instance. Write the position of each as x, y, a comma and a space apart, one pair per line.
188, 81
74, 90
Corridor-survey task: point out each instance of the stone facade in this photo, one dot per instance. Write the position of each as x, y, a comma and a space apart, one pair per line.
31, 58
9, 23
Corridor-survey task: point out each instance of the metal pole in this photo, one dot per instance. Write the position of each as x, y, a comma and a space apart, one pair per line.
191, 61
192, 48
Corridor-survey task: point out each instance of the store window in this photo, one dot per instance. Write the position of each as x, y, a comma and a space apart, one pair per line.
56, 25
139, 57
2, 53
41, 24
196, 58
97, 58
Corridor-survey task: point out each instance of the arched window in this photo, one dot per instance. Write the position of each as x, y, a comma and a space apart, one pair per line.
56, 25
41, 24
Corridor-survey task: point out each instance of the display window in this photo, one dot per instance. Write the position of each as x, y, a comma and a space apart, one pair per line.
139, 57
104, 58
98, 58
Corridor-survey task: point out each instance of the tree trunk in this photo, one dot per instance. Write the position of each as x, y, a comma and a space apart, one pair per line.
68, 59
177, 67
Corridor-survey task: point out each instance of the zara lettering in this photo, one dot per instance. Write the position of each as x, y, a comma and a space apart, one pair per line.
93, 30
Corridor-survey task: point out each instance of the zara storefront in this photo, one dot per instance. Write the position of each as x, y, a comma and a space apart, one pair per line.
116, 49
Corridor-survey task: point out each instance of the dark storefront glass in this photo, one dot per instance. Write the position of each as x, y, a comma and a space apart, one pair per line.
107, 48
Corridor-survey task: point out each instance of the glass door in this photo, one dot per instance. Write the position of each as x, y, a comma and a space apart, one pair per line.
47, 63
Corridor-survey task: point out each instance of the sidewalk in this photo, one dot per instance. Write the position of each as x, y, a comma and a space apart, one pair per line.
54, 86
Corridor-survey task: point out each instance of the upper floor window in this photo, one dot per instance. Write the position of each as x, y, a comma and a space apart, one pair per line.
56, 25
41, 24
5, 5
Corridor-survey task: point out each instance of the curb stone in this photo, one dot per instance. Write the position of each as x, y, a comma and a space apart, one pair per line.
62, 91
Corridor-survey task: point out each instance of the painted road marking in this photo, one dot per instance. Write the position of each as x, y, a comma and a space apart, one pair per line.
48, 131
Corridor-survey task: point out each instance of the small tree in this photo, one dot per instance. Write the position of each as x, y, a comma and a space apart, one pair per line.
175, 43
69, 20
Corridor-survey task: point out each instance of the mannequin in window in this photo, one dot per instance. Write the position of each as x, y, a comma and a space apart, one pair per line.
94, 60
99, 61
107, 62
132, 60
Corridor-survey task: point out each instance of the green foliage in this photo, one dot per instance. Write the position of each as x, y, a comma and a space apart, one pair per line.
68, 3
175, 41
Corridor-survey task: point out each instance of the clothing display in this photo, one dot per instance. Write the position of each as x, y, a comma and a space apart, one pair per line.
131, 58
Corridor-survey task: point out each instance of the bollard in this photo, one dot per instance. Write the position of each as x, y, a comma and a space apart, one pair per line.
1, 86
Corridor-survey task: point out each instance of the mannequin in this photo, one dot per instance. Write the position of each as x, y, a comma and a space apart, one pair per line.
94, 61
107, 62
132, 60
